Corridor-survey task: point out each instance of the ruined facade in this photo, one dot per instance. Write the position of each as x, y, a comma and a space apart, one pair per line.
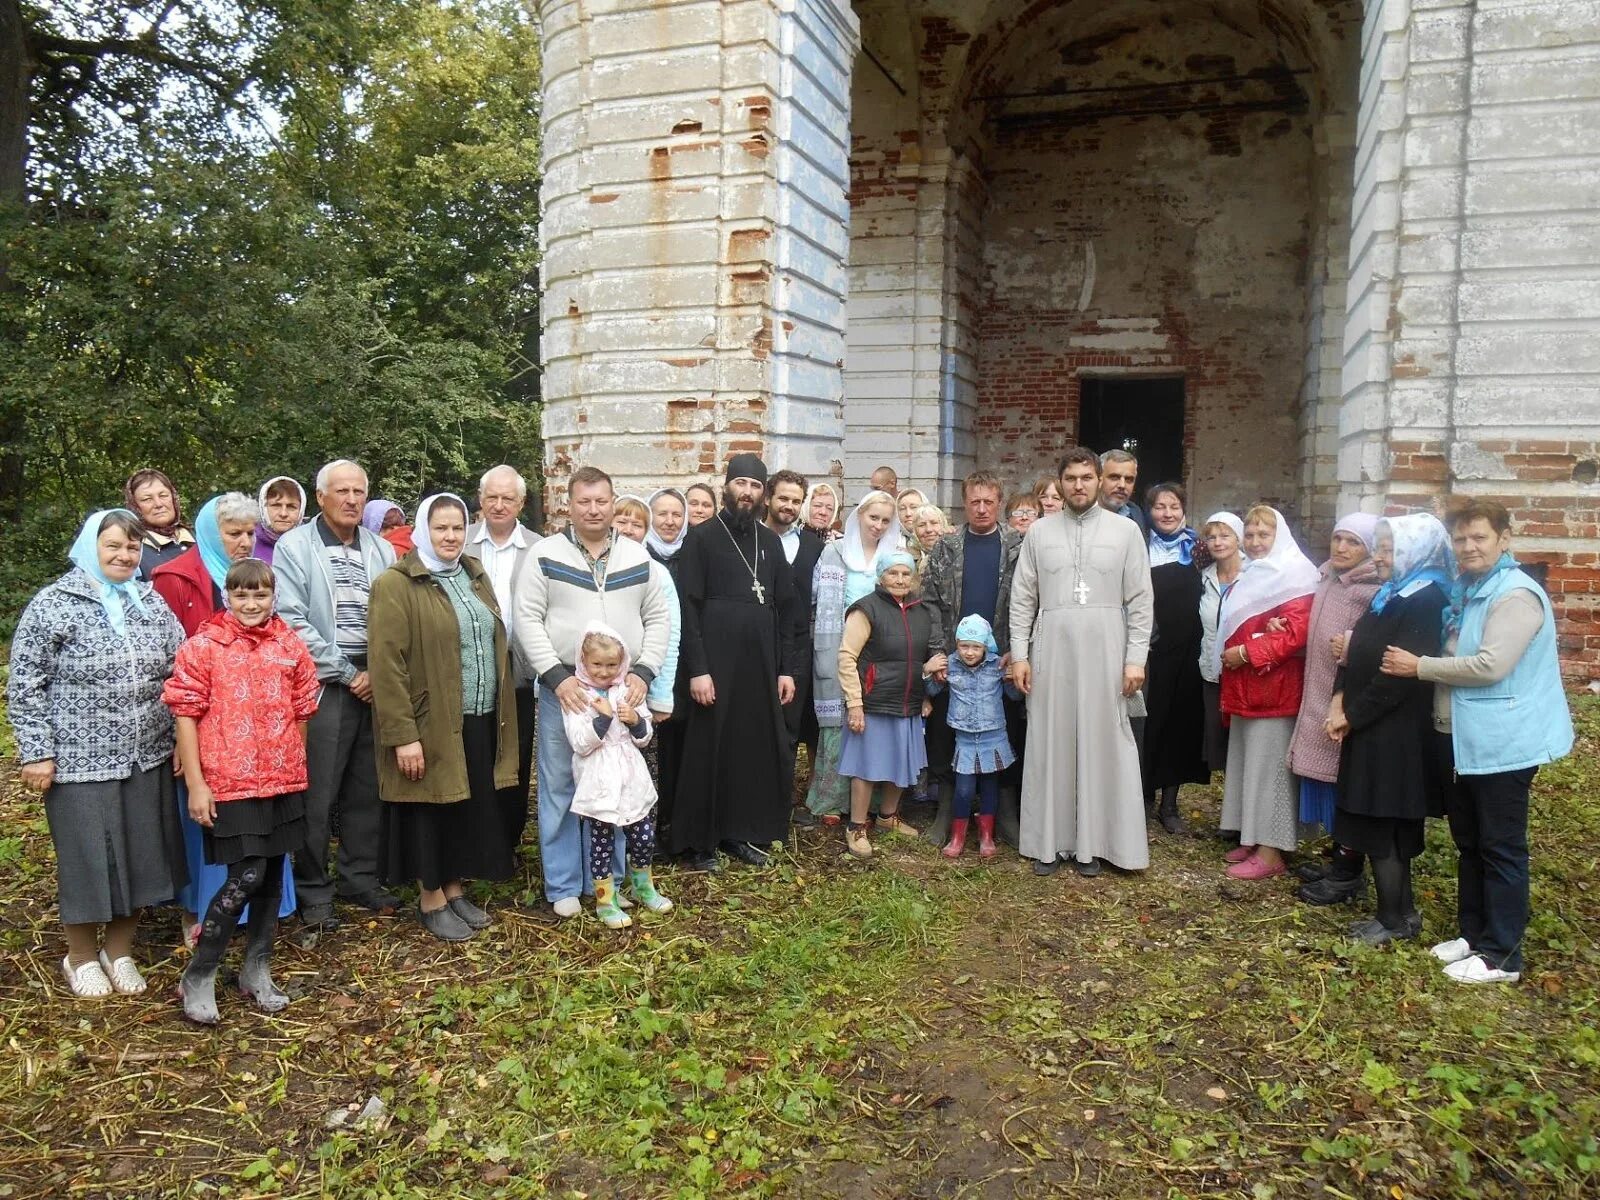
1314, 252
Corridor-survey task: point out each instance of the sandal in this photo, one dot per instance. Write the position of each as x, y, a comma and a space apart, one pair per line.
123, 974
87, 982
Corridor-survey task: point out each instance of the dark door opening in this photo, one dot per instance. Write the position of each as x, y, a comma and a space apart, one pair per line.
1142, 415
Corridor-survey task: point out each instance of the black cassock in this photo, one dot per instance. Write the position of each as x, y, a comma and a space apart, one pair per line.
733, 784
1175, 730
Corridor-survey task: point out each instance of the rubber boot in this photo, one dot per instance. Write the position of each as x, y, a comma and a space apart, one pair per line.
958, 838
255, 978
985, 835
1008, 821
605, 905
938, 831
1170, 821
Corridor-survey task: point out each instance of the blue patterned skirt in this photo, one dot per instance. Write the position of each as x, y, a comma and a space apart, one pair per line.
889, 750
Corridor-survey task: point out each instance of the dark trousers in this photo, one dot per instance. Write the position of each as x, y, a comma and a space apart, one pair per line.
940, 740
517, 813
1488, 817
793, 722
342, 773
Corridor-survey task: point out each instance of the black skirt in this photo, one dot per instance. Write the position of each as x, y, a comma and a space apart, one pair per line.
1216, 737
433, 844
261, 828
1379, 837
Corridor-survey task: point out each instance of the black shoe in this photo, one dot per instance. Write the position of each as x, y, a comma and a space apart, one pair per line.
1087, 869
384, 903
803, 818
1047, 868
1310, 872
746, 853
1328, 891
320, 918
1172, 822
695, 860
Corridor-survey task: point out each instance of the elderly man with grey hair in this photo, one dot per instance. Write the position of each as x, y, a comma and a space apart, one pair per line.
325, 571
500, 541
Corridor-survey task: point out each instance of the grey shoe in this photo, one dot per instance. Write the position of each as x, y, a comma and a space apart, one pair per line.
1087, 869
1047, 868
470, 912
444, 924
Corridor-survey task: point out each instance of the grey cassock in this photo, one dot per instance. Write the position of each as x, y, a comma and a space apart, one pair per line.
1081, 609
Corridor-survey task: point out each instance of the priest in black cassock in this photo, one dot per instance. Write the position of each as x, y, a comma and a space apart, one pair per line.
738, 650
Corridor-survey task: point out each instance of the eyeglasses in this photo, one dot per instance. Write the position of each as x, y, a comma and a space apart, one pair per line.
1024, 512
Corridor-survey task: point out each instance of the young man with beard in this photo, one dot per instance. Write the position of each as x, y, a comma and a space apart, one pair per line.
1081, 615
738, 650
786, 493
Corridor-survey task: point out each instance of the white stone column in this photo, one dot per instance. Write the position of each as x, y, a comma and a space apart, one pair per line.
694, 234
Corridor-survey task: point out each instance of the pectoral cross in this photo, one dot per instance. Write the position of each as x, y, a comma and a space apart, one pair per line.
1081, 591
761, 592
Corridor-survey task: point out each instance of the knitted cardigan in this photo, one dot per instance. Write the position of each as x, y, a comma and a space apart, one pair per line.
1339, 603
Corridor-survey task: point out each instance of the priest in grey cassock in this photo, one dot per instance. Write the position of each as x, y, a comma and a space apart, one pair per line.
1081, 608
738, 651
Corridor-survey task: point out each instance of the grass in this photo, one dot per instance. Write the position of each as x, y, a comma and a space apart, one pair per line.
895, 1029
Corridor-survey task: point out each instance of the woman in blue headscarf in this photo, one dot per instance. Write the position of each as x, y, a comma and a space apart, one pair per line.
88, 661
1389, 781
191, 584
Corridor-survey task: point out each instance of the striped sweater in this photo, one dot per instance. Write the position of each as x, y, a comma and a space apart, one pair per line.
558, 596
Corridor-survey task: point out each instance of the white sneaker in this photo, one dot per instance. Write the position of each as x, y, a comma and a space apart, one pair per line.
1452, 951
1474, 970
124, 976
569, 907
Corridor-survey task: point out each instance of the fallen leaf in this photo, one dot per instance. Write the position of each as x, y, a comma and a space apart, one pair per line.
961, 981
1216, 1093
496, 1173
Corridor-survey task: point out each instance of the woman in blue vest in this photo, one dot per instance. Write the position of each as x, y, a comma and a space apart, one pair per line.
1501, 714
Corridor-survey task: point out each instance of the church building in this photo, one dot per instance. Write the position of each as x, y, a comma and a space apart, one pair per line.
1318, 253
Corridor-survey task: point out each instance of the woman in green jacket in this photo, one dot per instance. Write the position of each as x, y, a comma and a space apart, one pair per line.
445, 711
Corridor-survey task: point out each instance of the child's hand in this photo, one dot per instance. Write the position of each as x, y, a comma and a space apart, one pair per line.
927, 707
602, 705
202, 805
628, 714
858, 720
936, 666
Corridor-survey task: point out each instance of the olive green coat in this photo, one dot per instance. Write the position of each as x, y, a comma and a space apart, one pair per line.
414, 661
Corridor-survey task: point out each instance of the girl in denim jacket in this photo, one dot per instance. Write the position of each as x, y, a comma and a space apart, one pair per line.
979, 721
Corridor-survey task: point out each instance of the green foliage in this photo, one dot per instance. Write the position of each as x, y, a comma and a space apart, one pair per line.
307, 231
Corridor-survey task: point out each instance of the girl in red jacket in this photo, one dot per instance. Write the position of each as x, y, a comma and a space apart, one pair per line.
1261, 642
242, 689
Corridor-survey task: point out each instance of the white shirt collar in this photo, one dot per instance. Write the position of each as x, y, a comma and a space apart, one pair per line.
518, 538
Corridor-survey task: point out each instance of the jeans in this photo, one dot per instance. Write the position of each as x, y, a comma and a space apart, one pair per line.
563, 842
1488, 817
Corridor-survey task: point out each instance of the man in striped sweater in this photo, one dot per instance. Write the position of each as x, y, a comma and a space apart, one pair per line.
586, 573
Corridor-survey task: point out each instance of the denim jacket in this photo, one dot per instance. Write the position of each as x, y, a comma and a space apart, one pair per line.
975, 695
83, 696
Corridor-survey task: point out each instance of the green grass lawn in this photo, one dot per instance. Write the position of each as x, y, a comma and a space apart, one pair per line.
899, 1028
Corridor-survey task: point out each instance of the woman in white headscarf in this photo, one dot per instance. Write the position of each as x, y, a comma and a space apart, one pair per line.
444, 710
1389, 779
845, 573
1223, 534
1260, 647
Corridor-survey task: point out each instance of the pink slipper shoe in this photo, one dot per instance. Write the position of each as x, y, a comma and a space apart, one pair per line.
1255, 868
1238, 854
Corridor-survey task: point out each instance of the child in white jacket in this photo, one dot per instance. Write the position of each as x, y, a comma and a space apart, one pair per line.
613, 783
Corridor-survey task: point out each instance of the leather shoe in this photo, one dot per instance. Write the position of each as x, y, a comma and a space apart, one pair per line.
320, 918
1047, 868
1087, 869
706, 861
746, 853
1329, 890
444, 924
380, 901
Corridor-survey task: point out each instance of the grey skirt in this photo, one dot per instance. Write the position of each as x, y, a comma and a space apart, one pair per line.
119, 847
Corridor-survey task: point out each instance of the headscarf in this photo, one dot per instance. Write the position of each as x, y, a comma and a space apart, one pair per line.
1231, 520
85, 555
746, 466
822, 485
372, 515
423, 537
665, 550
582, 672
895, 558
1421, 556
208, 540
973, 628
850, 547
266, 536
1360, 525
1285, 574
139, 479
1176, 547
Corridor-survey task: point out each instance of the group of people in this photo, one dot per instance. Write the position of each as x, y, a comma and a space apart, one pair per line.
205, 705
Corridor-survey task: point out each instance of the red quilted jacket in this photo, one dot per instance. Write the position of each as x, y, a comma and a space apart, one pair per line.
249, 689
185, 584
1270, 686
